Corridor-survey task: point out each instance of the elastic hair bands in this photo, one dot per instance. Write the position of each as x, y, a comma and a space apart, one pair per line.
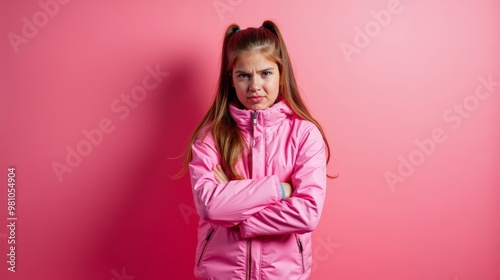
238, 30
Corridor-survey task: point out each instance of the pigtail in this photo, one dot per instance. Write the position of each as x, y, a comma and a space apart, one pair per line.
288, 85
222, 100
271, 26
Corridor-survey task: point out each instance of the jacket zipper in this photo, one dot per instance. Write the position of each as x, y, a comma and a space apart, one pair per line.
254, 117
207, 239
249, 241
301, 250
249, 258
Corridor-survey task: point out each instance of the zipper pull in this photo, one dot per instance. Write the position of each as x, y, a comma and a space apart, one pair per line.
254, 115
300, 245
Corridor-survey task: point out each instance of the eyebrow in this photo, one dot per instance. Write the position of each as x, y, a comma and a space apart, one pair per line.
260, 71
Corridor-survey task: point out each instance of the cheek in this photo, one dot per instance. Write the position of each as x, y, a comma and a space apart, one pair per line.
240, 92
274, 85
240, 88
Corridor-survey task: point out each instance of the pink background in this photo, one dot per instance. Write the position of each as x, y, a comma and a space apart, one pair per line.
406, 102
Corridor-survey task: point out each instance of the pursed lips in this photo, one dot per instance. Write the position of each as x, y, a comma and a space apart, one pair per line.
255, 98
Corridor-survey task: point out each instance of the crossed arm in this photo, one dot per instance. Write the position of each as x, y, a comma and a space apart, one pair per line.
256, 205
221, 177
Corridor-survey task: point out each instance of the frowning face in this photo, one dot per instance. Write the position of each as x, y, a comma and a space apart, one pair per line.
256, 80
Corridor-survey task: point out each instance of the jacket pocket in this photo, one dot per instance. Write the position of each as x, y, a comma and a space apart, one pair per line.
301, 252
207, 240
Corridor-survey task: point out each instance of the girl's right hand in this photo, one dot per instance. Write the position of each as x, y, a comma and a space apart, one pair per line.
288, 189
219, 174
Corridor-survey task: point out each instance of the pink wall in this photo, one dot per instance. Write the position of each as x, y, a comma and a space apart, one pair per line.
408, 92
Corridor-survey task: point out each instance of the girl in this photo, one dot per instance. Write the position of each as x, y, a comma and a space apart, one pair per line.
258, 165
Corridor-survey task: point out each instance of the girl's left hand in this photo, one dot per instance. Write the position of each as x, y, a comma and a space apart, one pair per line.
220, 176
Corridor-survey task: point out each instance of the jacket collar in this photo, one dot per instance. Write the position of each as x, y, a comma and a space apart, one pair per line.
265, 117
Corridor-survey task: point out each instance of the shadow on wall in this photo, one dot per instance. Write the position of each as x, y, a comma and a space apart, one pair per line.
150, 238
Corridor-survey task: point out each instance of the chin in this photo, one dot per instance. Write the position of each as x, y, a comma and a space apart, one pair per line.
258, 106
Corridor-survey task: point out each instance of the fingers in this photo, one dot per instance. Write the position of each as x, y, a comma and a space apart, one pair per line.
219, 174
217, 177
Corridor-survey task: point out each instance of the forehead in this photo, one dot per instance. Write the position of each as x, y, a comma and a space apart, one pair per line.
255, 59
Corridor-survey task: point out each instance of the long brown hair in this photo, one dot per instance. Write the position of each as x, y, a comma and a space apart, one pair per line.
228, 139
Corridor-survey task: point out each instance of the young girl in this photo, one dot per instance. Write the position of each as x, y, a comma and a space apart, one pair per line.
258, 165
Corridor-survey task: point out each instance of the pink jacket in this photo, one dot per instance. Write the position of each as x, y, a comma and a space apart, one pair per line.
273, 236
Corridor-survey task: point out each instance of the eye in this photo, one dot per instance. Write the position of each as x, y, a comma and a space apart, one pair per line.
242, 76
266, 73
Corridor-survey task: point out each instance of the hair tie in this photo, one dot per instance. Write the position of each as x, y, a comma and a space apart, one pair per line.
237, 30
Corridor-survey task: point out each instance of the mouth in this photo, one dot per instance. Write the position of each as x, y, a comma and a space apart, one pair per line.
255, 99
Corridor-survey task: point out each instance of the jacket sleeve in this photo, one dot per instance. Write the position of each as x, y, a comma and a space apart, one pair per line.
226, 204
299, 213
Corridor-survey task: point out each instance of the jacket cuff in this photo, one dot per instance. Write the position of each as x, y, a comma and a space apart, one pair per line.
279, 189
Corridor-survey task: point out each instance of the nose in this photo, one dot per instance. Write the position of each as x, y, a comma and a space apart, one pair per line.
255, 84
